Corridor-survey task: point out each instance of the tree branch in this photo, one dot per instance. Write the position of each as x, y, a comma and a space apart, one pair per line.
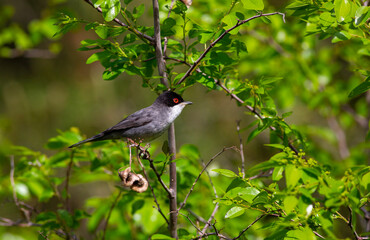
241, 148
200, 174
138, 33
240, 22
250, 225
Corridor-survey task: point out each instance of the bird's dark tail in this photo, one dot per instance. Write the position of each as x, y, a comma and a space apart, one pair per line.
98, 137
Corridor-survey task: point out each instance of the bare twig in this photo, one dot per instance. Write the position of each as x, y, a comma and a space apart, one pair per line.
110, 212
200, 174
195, 226
138, 33
241, 148
250, 225
212, 234
351, 225
146, 155
208, 223
152, 190
202, 56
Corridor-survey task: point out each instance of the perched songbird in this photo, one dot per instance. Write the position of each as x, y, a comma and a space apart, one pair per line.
147, 123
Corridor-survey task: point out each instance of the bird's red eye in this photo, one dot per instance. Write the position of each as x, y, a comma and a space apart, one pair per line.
176, 100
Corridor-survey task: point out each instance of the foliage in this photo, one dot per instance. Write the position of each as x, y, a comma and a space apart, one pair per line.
265, 65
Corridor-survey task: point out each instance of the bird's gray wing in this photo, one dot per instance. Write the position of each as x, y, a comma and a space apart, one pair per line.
137, 119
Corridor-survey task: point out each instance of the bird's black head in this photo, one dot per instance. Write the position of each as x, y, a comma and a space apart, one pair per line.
169, 99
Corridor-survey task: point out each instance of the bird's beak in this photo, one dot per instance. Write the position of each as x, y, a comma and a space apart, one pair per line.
187, 103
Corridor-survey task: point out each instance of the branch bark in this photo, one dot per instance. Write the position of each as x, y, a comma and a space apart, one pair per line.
171, 131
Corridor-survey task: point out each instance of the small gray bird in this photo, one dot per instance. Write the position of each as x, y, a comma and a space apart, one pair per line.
147, 123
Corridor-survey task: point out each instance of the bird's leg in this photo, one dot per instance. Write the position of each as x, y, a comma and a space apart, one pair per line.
129, 144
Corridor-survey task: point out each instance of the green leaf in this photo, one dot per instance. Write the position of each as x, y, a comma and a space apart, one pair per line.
138, 11
362, 15
234, 212
301, 234
277, 174
248, 193
225, 172
168, 27
290, 202
361, 88
261, 198
99, 56
110, 9
292, 175
66, 217
342, 9
253, 4
341, 36
161, 237
297, 5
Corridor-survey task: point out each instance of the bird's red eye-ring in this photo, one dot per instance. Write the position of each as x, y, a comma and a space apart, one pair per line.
176, 100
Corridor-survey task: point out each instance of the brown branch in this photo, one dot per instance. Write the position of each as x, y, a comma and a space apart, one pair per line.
158, 45
138, 33
202, 56
109, 214
144, 154
212, 234
241, 147
152, 190
195, 226
250, 225
200, 174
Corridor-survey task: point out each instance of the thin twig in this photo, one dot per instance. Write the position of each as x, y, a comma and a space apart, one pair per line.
200, 174
195, 226
110, 212
138, 33
212, 234
208, 223
241, 148
202, 56
146, 156
152, 190
250, 225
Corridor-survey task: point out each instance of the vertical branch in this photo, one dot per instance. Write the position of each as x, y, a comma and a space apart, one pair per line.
241, 148
171, 131
158, 45
110, 212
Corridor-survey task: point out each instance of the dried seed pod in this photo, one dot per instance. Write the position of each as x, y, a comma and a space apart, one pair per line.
187, 2
140, 185
128, 177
